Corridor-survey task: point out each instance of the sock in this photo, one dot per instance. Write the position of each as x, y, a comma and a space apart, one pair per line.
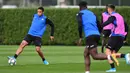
43, 59
109, 57
15, 56
112, 65
122, 55
87, 72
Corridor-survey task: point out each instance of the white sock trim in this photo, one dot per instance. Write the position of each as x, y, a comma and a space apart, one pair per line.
87, 72
109, 57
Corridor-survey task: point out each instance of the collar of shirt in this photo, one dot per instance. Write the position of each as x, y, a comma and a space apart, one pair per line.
113, 12
41, 15
84, 9
108, 13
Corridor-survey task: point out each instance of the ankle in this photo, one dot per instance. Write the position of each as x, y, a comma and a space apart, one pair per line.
43, 59
122, 55
15, 56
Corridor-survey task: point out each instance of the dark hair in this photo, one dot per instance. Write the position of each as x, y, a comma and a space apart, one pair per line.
41, 8
83, 4
111, 6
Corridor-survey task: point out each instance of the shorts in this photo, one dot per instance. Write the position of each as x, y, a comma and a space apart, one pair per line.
106, 33
37, 41
115, 43
92, 41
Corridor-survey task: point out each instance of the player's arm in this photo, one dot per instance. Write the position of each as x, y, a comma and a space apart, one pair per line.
110, 20
126, 29
101, 19
49, 22
79, 19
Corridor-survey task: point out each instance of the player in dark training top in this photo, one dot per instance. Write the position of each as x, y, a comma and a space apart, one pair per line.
36, 31
88, 23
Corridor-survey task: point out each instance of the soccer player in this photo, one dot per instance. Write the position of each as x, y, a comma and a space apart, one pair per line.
117, 36
36, 31
88, 21
106, 30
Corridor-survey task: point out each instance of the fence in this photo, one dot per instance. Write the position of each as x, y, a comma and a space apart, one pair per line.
35, 3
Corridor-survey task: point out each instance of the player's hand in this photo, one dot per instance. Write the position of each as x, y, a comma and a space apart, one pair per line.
51, 38
80, 42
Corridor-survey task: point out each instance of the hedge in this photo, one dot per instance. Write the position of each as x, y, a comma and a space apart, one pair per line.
15, 23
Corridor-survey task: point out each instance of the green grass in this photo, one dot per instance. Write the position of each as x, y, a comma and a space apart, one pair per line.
63, 59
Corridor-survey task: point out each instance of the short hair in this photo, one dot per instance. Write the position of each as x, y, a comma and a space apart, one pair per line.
83, 4
111, 6
41, 8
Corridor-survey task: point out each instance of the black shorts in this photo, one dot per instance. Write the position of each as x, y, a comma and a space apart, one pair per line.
115, 43
36, 40
92, 41
106, 33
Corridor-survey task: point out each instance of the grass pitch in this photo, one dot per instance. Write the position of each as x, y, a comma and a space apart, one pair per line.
63, 59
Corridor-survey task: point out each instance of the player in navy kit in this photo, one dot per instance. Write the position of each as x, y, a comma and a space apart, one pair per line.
36, 31
89, 24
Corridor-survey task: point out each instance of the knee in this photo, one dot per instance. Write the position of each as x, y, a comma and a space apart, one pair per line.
38, 49
85, 54
87, 63
94, 56
108, 52
113, 52
23, 44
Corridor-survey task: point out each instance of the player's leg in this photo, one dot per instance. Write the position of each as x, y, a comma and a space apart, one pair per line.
101, 56
125, 56
125, 42
112, 69
118, 46
110, 48
103, 44
20, 49
92, 42
121, 55
106, 34
24, 43
115, 51
38, 42
39, 51
87, 60
97, 56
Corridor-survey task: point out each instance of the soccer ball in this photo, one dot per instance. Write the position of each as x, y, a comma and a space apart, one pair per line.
12, 61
